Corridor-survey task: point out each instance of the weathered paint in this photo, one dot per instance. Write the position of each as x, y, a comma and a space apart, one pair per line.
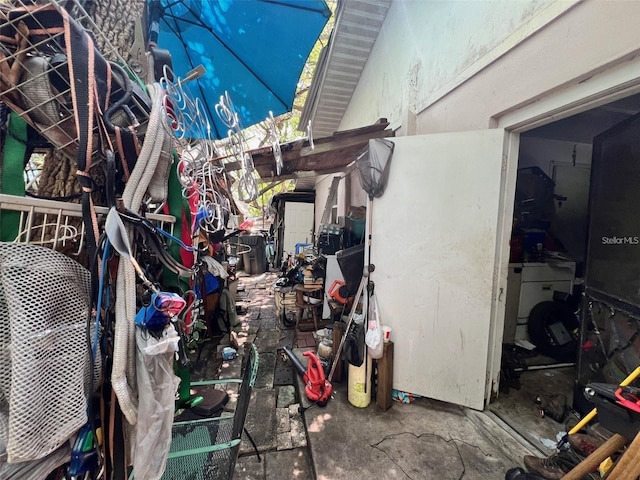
555, 51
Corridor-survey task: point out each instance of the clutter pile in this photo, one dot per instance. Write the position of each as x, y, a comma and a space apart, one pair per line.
141, 272
610, 447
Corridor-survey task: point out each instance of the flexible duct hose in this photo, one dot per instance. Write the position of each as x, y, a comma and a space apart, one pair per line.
123, 372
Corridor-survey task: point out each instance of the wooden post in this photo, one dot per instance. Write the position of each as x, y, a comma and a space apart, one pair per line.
385, 377
338, 330
591, 463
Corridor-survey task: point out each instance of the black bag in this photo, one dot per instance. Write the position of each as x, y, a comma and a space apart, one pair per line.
519, 474
354, 346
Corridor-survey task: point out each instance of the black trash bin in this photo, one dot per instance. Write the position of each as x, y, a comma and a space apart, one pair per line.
254, 261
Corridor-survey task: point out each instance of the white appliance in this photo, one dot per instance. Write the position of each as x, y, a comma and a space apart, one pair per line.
530, 284
333, 273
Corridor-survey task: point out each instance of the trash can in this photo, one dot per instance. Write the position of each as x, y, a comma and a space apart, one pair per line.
254, 261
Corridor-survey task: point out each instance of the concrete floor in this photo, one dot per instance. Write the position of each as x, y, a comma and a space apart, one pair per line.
518, 409
422, 440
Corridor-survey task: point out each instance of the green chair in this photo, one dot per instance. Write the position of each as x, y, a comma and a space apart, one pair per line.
207, 449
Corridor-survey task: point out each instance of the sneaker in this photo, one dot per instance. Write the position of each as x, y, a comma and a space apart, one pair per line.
584, 444
553, 467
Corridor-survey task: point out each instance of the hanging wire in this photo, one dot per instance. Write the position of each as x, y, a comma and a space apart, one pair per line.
247, 183
275, 142
198, 176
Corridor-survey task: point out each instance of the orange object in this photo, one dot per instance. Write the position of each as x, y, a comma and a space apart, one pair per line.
334, 291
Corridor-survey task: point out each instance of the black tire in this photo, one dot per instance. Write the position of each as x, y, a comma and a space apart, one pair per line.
541, 317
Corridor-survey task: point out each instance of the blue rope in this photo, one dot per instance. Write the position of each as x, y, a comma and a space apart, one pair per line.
176, 239
105, 256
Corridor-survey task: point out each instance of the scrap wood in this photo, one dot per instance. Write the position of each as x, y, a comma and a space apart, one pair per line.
628, 467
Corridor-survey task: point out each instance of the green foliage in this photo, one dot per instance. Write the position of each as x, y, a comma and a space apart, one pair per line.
197, 335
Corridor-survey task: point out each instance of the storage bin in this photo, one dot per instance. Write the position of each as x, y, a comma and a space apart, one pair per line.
254, 261
617, 418
356, 226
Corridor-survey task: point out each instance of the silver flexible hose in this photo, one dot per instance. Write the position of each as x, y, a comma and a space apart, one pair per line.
123, 378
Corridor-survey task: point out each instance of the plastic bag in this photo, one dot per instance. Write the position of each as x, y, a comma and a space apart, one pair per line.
373, 337
168, 342
157, 386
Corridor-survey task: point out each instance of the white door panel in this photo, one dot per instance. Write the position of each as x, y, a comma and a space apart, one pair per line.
298, 224
434, 237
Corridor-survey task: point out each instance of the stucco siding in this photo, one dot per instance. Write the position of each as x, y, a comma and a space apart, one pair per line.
451, 66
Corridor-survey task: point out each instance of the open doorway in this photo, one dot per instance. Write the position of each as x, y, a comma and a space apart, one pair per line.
546, 274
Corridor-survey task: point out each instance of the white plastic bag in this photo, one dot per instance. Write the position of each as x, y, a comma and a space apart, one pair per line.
373, 338
157, 386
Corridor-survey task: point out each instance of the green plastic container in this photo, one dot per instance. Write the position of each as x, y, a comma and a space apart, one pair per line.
356, 225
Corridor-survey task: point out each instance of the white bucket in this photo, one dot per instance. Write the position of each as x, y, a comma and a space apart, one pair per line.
359, 394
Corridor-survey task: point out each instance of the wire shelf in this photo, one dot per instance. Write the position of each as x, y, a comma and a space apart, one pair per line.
58, 225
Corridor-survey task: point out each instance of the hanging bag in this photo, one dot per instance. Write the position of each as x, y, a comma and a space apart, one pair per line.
354, 351
373, 337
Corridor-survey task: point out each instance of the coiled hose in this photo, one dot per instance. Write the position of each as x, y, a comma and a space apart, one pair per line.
123, 374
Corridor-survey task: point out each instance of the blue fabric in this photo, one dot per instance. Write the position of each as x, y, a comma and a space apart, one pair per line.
255, 50
211, 284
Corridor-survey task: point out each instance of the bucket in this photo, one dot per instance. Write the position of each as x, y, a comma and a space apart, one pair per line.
359, 393
320, 335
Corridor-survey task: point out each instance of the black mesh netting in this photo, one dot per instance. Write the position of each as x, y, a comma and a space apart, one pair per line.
373, 165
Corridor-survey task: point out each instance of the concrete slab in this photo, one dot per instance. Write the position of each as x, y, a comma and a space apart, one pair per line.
289, 464
284, 441
282, 420
286, 396
298, 432
268, 341
287, 337
261, 421
517, 408
426, 439
249, 468
266, 370
268, 322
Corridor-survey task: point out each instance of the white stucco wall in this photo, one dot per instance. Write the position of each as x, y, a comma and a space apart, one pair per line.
451, 66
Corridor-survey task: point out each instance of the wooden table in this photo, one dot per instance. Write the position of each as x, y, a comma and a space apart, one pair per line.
308, 298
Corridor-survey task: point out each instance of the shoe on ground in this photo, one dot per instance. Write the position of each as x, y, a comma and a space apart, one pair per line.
585, 444
553, 406
519, 474
553, 467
